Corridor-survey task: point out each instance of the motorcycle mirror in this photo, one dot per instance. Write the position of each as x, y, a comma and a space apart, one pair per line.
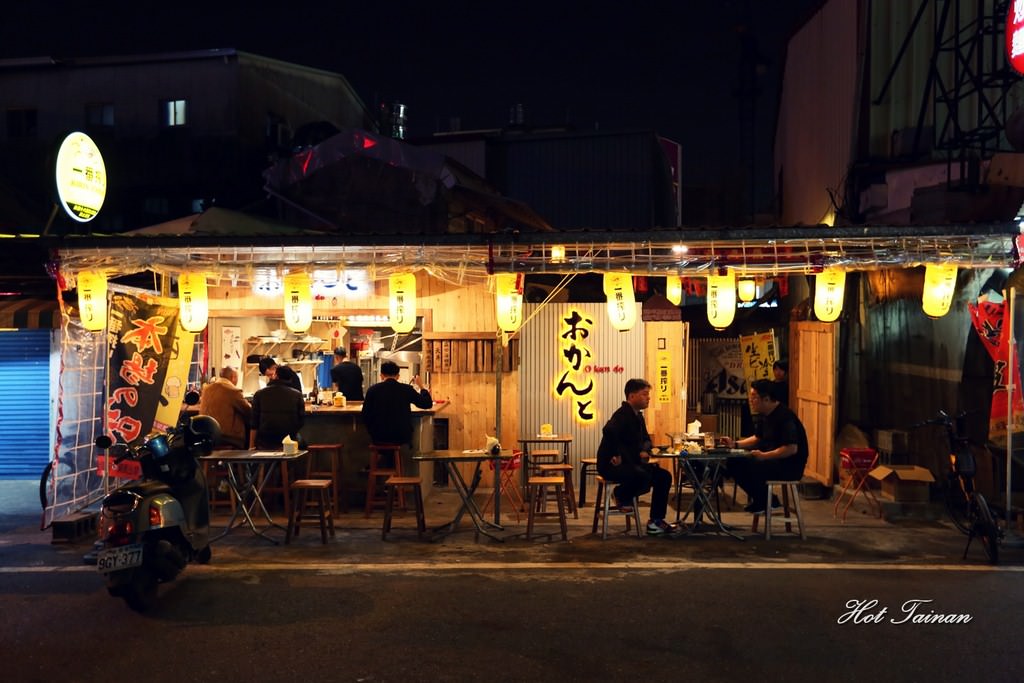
192, 398
104, 441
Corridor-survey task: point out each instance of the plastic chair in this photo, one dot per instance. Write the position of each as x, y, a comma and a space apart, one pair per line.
508, 483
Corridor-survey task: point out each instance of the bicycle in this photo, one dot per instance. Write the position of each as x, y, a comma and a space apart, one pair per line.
967, 507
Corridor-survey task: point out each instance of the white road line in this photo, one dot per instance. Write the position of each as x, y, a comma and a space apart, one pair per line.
554, 567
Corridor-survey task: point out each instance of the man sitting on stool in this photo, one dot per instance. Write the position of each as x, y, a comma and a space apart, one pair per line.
623, 454
778, 447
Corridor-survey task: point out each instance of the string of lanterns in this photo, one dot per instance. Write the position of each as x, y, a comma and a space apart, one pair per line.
722, 293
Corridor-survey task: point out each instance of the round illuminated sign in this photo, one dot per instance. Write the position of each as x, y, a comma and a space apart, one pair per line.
81, 177
1015, 36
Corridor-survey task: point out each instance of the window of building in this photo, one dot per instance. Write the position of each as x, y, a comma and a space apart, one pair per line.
22, 123
99, 115
173, 113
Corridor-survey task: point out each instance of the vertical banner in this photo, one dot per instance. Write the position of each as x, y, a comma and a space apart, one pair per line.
988, 319
663, 389
759, 354
148, 371
721, 369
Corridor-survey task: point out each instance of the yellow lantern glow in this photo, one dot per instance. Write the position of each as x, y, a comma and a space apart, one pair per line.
193, 302
298, 302
618, 287
829, 286
92, 300
674, 289
939, 288
509, 301
747, 289
722, 299
402, 300
557, 253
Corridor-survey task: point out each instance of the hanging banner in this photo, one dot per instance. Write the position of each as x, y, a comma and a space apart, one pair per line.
987, 319
721, 369
759, 354
663, 385
149, 356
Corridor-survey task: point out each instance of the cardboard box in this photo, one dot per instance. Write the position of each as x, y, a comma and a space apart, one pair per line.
903, 483
892, 441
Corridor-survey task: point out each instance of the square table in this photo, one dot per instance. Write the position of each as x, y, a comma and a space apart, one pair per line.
451, 459
714, 467
248, 490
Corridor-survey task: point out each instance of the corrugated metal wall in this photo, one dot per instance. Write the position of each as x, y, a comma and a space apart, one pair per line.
542, 365
815, 130
24, 403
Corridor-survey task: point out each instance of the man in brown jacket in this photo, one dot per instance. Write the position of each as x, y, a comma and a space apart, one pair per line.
222, 400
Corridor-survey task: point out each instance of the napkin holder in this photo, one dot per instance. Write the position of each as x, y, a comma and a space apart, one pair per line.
289, 446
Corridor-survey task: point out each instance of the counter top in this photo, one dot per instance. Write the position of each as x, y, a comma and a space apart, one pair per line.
356, 408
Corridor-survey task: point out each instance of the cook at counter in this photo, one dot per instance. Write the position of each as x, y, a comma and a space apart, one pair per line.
347, 376
386, 409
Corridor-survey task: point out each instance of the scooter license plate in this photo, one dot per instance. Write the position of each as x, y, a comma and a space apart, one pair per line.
115, 559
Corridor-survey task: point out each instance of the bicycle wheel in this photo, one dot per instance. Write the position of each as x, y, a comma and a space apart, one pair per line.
987, 529
957, 504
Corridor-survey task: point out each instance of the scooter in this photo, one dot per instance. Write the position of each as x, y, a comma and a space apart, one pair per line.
151, 528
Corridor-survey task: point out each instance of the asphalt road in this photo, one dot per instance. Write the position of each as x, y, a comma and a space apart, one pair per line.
569, 621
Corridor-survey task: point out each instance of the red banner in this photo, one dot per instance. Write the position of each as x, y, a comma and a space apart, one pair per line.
987, 318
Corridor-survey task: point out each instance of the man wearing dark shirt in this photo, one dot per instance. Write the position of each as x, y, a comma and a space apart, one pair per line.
277, 410
347, 376
271, 370
386, 409
622, 457
778, 448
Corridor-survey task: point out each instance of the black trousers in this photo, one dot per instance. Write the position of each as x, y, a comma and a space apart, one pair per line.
752, 474
633, 481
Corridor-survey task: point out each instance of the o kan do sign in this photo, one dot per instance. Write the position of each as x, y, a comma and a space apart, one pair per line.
1015, 35
81, 177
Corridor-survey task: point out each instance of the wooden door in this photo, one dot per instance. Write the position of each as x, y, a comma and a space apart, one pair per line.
812, 379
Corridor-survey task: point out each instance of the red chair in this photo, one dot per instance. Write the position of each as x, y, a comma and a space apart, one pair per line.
856, 463
509, 483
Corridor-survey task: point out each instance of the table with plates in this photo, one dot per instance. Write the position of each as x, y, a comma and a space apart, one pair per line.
247, 489
451, 461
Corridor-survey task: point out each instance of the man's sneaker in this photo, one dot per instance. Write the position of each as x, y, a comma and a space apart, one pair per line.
759, 508
657, 527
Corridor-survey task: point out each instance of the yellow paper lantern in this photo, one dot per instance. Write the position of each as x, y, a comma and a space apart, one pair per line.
746, 289
722, 299
92, 300
829, 286
509, 301
298, 302
618, 287
193, 302
402, 302
557, 253
939, 287
674, 289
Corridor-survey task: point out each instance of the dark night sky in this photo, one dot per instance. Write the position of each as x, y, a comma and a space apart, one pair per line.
670, 66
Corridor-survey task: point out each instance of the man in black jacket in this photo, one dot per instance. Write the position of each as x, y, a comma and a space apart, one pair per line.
347, 376
277, 410
386, 410
623, 454
272, 371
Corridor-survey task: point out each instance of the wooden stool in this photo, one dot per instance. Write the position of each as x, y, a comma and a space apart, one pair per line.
603, 502
550, 454
301, 488
538, 488
376, 472
332, 469
215, 474
588, 468
400, 483
568, 491
788, 488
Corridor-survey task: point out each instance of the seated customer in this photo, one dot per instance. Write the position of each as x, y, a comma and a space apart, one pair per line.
623, 453
271, 370
223, 401
386, 409
278, 410
778, 448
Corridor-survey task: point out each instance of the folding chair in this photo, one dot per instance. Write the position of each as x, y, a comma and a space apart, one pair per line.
856, 463
509, 484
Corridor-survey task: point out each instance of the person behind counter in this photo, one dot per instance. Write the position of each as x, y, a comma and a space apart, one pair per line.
222, 400
780, 371
347, 376
386, 410
778, 447
271, 370
278, 410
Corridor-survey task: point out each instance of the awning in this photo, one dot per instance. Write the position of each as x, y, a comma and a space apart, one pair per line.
29, 314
